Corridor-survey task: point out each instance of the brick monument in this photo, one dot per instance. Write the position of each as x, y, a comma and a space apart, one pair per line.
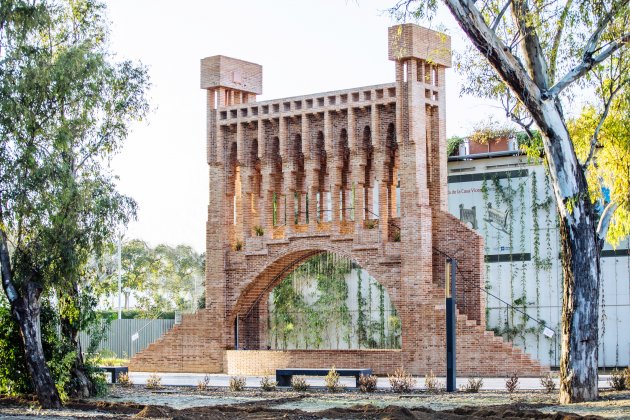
294, 177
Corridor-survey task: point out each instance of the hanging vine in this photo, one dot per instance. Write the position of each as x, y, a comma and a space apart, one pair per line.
310, 308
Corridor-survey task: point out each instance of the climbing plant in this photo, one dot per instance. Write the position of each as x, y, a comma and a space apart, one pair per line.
327, 302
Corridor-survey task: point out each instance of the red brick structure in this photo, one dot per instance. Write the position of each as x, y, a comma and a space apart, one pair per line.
293, 177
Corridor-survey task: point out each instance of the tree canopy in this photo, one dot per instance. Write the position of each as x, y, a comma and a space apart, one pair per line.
65, 109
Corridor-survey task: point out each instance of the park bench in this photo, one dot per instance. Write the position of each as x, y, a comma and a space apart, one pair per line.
115, 371
283, 376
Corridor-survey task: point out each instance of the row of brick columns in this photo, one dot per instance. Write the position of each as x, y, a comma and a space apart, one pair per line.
251, 189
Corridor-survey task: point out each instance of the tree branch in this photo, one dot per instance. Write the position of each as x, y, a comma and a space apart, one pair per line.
497, 19
5, 266
585, 66
530, 44
553, 58
604, 222
595, 138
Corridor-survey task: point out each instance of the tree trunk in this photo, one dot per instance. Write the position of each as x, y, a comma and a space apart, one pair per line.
26, 311
580, 245
82, 385
580, 313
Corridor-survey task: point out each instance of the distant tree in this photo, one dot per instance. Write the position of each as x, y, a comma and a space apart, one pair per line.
540, 53
65, 107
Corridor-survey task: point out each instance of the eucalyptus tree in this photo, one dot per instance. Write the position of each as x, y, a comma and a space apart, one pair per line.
536, 56
65, 108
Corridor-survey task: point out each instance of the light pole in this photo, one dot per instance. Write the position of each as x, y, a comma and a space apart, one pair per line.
451, 324
119, 277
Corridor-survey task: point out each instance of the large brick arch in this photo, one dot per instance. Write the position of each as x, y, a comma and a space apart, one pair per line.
254, 287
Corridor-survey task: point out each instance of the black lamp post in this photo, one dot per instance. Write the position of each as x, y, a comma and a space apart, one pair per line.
451, 324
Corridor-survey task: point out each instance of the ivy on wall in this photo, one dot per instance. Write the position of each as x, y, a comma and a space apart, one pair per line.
521, 209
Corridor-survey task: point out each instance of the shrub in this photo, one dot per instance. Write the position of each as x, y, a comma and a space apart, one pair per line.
548, 383
617, 380
371, 224
267, 383
202, 385
511, 383
396, 236
238, 245
367, 383
237, 383
258, 230
473, 385
431, 383
154, 381
124, 380
401, 381
332, 380
298, 383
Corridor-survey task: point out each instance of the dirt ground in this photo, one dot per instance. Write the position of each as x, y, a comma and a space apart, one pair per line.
219, 403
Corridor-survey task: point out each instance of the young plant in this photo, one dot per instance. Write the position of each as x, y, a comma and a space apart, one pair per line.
267, 383
401, 381
511, 383
473, 385
124, 380
332, 380
617, 380
237, 383
154, 381
431, 383
238, 245
298, 383
202, 385
258, 230
548, 383
371, 224
367, 383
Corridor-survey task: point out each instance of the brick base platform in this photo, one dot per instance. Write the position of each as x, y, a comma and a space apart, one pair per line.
480, 353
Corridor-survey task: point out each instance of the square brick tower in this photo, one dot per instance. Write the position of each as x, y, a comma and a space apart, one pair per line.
295, 177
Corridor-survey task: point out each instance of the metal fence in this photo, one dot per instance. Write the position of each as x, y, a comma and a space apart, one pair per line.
119, 335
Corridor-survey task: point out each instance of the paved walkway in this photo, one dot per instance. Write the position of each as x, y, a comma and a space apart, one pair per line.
192, 379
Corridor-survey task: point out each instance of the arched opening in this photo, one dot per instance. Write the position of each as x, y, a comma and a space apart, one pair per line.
276, 174
320, 154
330, 302
343, 154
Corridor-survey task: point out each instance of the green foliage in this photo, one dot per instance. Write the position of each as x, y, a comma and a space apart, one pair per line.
14, 377
65, 109
485, 131
58, 352
611, 166
309, 308
332, 380
452, 144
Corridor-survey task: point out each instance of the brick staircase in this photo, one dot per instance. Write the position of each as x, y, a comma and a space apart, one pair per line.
187, 347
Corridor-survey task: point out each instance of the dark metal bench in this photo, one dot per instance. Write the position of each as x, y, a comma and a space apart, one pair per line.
115, 371
283, 376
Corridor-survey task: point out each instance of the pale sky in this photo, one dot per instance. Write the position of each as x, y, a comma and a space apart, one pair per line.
304, 46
